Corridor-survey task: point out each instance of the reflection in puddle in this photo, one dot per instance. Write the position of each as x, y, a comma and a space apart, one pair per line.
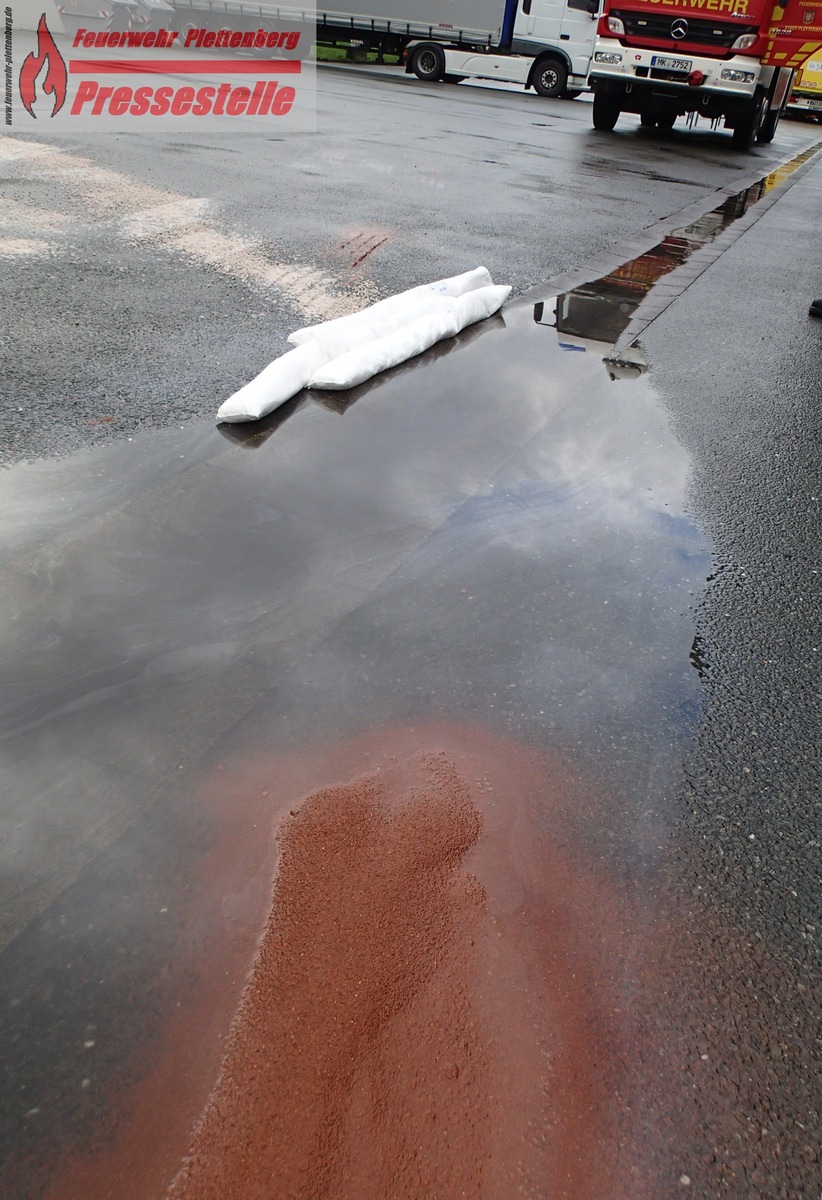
593, 316
590, 320
250, 435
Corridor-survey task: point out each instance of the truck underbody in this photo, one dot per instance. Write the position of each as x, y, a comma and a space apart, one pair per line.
658, 97
682, 63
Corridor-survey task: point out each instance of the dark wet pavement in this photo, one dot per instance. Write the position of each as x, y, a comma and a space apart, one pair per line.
500, 536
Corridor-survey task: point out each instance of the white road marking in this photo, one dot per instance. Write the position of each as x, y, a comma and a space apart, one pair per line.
29, 218
11, 247
181, 224
164, 218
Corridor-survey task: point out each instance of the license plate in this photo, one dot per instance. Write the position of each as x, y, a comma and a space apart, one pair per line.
815, 104
671, 64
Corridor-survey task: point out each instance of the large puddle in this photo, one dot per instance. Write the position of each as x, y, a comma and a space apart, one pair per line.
455, 611
340, 759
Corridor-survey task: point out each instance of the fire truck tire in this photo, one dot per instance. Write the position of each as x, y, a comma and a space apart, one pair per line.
746, 131
570, 93
428, 63
766, 133
549, 78
453, 78
606, 110
647, 120
666, 120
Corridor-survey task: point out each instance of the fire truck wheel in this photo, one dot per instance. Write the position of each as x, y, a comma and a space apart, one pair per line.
606, 111
746, 131
428, 63
549, 78
647, 120
769, 125
666, 120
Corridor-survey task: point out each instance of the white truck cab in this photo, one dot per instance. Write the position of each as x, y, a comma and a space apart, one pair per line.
545, 45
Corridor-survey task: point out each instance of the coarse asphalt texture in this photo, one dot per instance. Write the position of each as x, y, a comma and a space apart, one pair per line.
738, 361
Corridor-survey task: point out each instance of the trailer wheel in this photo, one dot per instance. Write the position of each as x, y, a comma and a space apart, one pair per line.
267, 26
647, 119
666, 120
428, 63
549, 78
606, 110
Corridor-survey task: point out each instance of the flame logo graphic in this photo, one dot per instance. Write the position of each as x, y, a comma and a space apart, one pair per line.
56, 77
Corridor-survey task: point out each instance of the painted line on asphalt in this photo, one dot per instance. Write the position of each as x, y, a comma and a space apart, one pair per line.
181, 224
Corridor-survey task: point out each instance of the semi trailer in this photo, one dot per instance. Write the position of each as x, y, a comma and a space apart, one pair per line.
806, 94
541, 44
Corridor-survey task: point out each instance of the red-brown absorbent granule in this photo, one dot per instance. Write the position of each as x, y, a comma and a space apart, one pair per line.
357, 1066
435, 1005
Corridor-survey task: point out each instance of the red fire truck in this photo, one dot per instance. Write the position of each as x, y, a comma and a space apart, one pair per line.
724, 60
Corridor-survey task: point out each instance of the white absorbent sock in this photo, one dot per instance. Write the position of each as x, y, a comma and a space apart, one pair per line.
411, 302
363, 362
278, 382
290, 373
360, 346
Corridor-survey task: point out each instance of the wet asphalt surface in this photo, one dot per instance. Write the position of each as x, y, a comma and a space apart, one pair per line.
369, 205
621, 572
